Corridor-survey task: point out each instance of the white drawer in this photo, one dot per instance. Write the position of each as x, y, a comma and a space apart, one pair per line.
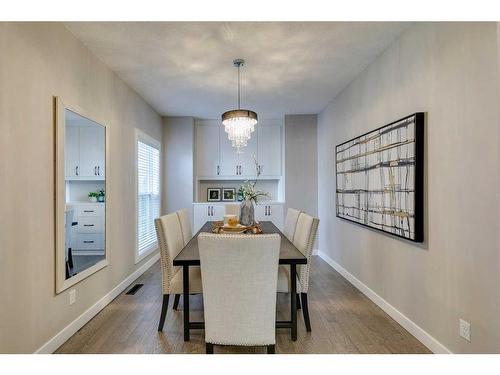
90, 224
89, 210
89, 242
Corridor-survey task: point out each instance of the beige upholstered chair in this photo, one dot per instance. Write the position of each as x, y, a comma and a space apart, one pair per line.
185, 222
292, 215
232, 209
239, 274
305, 234
171, 242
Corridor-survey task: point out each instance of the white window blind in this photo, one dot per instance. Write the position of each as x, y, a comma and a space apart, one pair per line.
148, 199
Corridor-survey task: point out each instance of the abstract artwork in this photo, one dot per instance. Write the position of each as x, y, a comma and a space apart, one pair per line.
379, 178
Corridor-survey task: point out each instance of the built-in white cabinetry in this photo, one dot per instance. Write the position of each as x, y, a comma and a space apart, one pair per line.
233, 164
87, 237
207, 150
71, 152
204, 212
216, 158
270, 212
269, 150
85, 153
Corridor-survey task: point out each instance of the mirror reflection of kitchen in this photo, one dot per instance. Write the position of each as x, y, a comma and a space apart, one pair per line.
85, 175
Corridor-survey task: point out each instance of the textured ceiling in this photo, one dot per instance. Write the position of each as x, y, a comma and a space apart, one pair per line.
185, 68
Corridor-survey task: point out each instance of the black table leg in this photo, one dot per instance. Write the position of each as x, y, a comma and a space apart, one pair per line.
293, 302
185, 301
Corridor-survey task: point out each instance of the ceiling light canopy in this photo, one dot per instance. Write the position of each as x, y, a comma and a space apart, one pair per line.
239, 124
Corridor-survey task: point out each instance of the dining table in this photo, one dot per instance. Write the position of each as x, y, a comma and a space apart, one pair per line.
290, 256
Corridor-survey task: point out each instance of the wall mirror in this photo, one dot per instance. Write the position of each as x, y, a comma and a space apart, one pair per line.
81, 195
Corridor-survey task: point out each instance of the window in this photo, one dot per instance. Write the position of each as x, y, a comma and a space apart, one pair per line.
148, 193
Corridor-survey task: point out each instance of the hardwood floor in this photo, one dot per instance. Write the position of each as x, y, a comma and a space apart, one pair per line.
343, 321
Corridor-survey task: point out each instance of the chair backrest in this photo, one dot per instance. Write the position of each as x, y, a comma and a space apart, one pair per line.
305, 235
292, 215
170, 241
239, 275
185, 222
232, 209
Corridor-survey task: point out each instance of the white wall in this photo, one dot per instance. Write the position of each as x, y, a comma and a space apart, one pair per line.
450, 71
301, 163
178, 146
39, 61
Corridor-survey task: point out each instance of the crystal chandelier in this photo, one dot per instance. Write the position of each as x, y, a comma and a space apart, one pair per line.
239, 124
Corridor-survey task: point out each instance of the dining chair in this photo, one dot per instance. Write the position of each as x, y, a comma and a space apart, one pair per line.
239, 275
303, 240
187, 234
232, 209
292, 215
68, 229
171, 242
185, 222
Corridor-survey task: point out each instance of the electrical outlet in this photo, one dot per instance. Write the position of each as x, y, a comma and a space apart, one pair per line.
464, 329
72, 296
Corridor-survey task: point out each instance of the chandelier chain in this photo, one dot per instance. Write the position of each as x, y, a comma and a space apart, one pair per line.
239, 107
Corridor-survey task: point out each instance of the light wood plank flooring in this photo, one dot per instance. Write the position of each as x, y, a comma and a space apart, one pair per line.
343, 321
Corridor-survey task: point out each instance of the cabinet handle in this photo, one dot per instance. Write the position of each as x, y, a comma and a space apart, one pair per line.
269, 210
88, 241
98, 170
236, 170
88, 210
88, 225
212, 210
76, 170
261, 167
218, 170
208, 210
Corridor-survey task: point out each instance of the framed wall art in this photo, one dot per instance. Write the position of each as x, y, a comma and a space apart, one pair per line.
379, 178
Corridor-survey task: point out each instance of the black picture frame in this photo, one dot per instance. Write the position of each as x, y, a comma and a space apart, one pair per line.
418, 180
213, 195
231, 191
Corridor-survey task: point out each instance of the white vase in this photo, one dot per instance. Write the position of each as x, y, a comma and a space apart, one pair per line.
93, 199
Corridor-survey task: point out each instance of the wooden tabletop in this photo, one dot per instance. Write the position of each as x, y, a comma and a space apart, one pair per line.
289, 254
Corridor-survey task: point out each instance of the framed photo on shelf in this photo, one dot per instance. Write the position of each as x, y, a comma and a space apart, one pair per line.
228, 194
213, 195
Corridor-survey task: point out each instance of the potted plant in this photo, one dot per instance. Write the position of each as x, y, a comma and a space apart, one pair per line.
101, 195
93, 196
250, 196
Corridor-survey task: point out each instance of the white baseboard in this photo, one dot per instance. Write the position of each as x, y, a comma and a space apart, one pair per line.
421, 335
59, 339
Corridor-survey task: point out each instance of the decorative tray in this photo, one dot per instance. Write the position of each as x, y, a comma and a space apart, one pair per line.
221, 228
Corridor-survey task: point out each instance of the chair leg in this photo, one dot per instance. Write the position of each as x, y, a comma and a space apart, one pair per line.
209, 348
164, 307
176, 301
271, 349
298, 302
305, 311
70, 257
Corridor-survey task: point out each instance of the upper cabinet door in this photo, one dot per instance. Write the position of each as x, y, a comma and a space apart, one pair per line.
229, 165
91, 152
247, 157
269, 150
71, 152
207, 150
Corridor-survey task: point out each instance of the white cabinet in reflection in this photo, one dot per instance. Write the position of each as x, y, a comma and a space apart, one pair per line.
85, 152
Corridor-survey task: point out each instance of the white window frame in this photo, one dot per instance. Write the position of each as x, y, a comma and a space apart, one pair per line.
147, 139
